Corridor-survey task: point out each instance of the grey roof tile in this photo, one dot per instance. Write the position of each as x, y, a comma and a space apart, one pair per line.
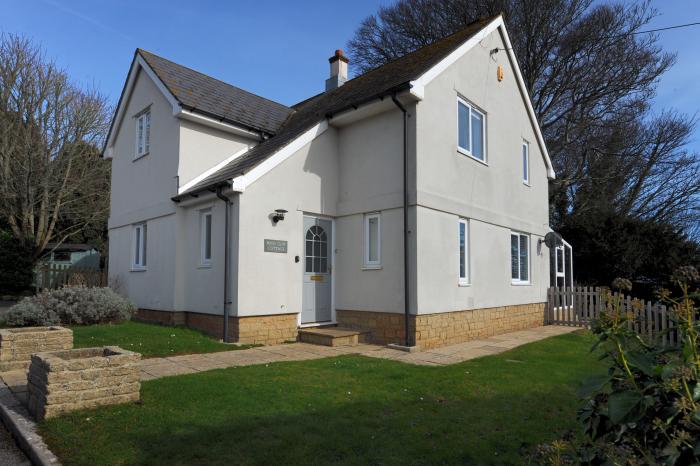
209, 96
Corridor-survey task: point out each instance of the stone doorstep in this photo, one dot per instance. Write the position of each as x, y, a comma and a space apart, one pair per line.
330, 336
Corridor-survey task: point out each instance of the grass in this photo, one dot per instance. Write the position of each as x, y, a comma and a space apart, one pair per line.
343, 410
148, 339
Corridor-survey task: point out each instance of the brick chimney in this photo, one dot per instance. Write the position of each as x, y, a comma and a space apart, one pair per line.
339, 70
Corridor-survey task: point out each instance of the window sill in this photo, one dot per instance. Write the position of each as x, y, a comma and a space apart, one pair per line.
372, 267
521, 283
527, 183
204, 266
464, 284
138, 269
139, 157
469, 154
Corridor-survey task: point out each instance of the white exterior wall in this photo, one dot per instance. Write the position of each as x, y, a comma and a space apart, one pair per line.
451, 185
202, 147
140, 191
343, 173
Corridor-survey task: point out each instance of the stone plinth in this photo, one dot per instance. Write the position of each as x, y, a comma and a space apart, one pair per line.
63, 381
18, 344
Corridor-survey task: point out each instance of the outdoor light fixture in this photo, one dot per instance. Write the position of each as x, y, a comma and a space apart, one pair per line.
278, 215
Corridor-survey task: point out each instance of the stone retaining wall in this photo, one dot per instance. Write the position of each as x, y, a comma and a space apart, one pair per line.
64, 381
18, 344
447, 328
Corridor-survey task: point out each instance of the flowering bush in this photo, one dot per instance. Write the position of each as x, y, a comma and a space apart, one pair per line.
75, 305
646, 408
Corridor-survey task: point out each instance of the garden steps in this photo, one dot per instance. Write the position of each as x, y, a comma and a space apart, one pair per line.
331, 336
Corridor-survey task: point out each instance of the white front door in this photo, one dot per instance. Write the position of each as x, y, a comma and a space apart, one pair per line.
318, 247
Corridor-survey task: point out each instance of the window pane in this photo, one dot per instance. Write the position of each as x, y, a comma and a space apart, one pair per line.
462, 251
309, 248
137, 257
207, 237
463, 125
317, 249
525, 162
514, 267
309, 264
477, 135
324, 264
324, 249
524, 262
317, 264
145, 243
147, 138
373, 239
139, 135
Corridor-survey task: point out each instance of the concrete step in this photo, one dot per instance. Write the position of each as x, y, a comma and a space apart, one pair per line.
330, 336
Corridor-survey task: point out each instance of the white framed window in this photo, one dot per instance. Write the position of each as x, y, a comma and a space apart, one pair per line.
525, 151
205, 219
373, 241
471, 131
143, 134
463, 238
519, 258
139, 250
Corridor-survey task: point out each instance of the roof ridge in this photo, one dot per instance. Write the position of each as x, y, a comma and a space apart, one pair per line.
144, 51
484, 19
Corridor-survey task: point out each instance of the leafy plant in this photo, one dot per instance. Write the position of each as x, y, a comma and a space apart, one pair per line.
75, 305
646, 409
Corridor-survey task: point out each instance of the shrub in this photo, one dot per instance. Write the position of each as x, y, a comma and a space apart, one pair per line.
16, 265
75, 305
646, 409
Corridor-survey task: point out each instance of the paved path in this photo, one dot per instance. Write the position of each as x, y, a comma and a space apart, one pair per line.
9, 453
161, 367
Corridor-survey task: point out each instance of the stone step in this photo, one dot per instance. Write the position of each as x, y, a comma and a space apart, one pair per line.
330, 336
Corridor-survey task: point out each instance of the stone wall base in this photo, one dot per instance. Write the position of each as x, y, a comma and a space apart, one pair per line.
442, 329
262, 330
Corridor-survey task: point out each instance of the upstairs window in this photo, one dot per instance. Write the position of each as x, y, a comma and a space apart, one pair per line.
471, 128
140, 241
205, 238
143, 134
520, 258
372, 246
526, 162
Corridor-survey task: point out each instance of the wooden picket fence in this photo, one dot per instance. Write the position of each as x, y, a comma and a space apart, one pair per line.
57, 275
579, 306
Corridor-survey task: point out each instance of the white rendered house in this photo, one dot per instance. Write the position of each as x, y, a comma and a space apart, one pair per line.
413, 194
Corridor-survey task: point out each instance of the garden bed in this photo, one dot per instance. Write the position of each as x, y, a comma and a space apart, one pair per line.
18, 344
64, 381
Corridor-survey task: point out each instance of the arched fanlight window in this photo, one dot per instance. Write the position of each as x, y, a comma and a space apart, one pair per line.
316, 250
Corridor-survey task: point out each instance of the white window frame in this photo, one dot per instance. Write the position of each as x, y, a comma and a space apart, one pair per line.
139, 245
368, 264
518, 281
203, 215
466, 279
143, 138
525, 163
468, 151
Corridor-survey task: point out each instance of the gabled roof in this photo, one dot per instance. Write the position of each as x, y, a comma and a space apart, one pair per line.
203, 94
393, 77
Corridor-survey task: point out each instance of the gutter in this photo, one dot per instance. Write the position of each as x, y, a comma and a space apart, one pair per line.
396, 101
227, 204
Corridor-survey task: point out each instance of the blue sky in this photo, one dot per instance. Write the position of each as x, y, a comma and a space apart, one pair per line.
274, 48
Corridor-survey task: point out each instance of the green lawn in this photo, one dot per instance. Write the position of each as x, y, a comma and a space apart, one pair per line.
344, 410
148, 339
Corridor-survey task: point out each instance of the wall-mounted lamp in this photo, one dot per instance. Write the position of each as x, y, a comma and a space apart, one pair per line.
278, 215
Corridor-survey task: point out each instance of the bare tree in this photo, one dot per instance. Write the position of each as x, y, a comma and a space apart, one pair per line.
591, 78
49, 128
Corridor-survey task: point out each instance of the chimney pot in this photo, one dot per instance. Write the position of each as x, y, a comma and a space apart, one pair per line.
339, 70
